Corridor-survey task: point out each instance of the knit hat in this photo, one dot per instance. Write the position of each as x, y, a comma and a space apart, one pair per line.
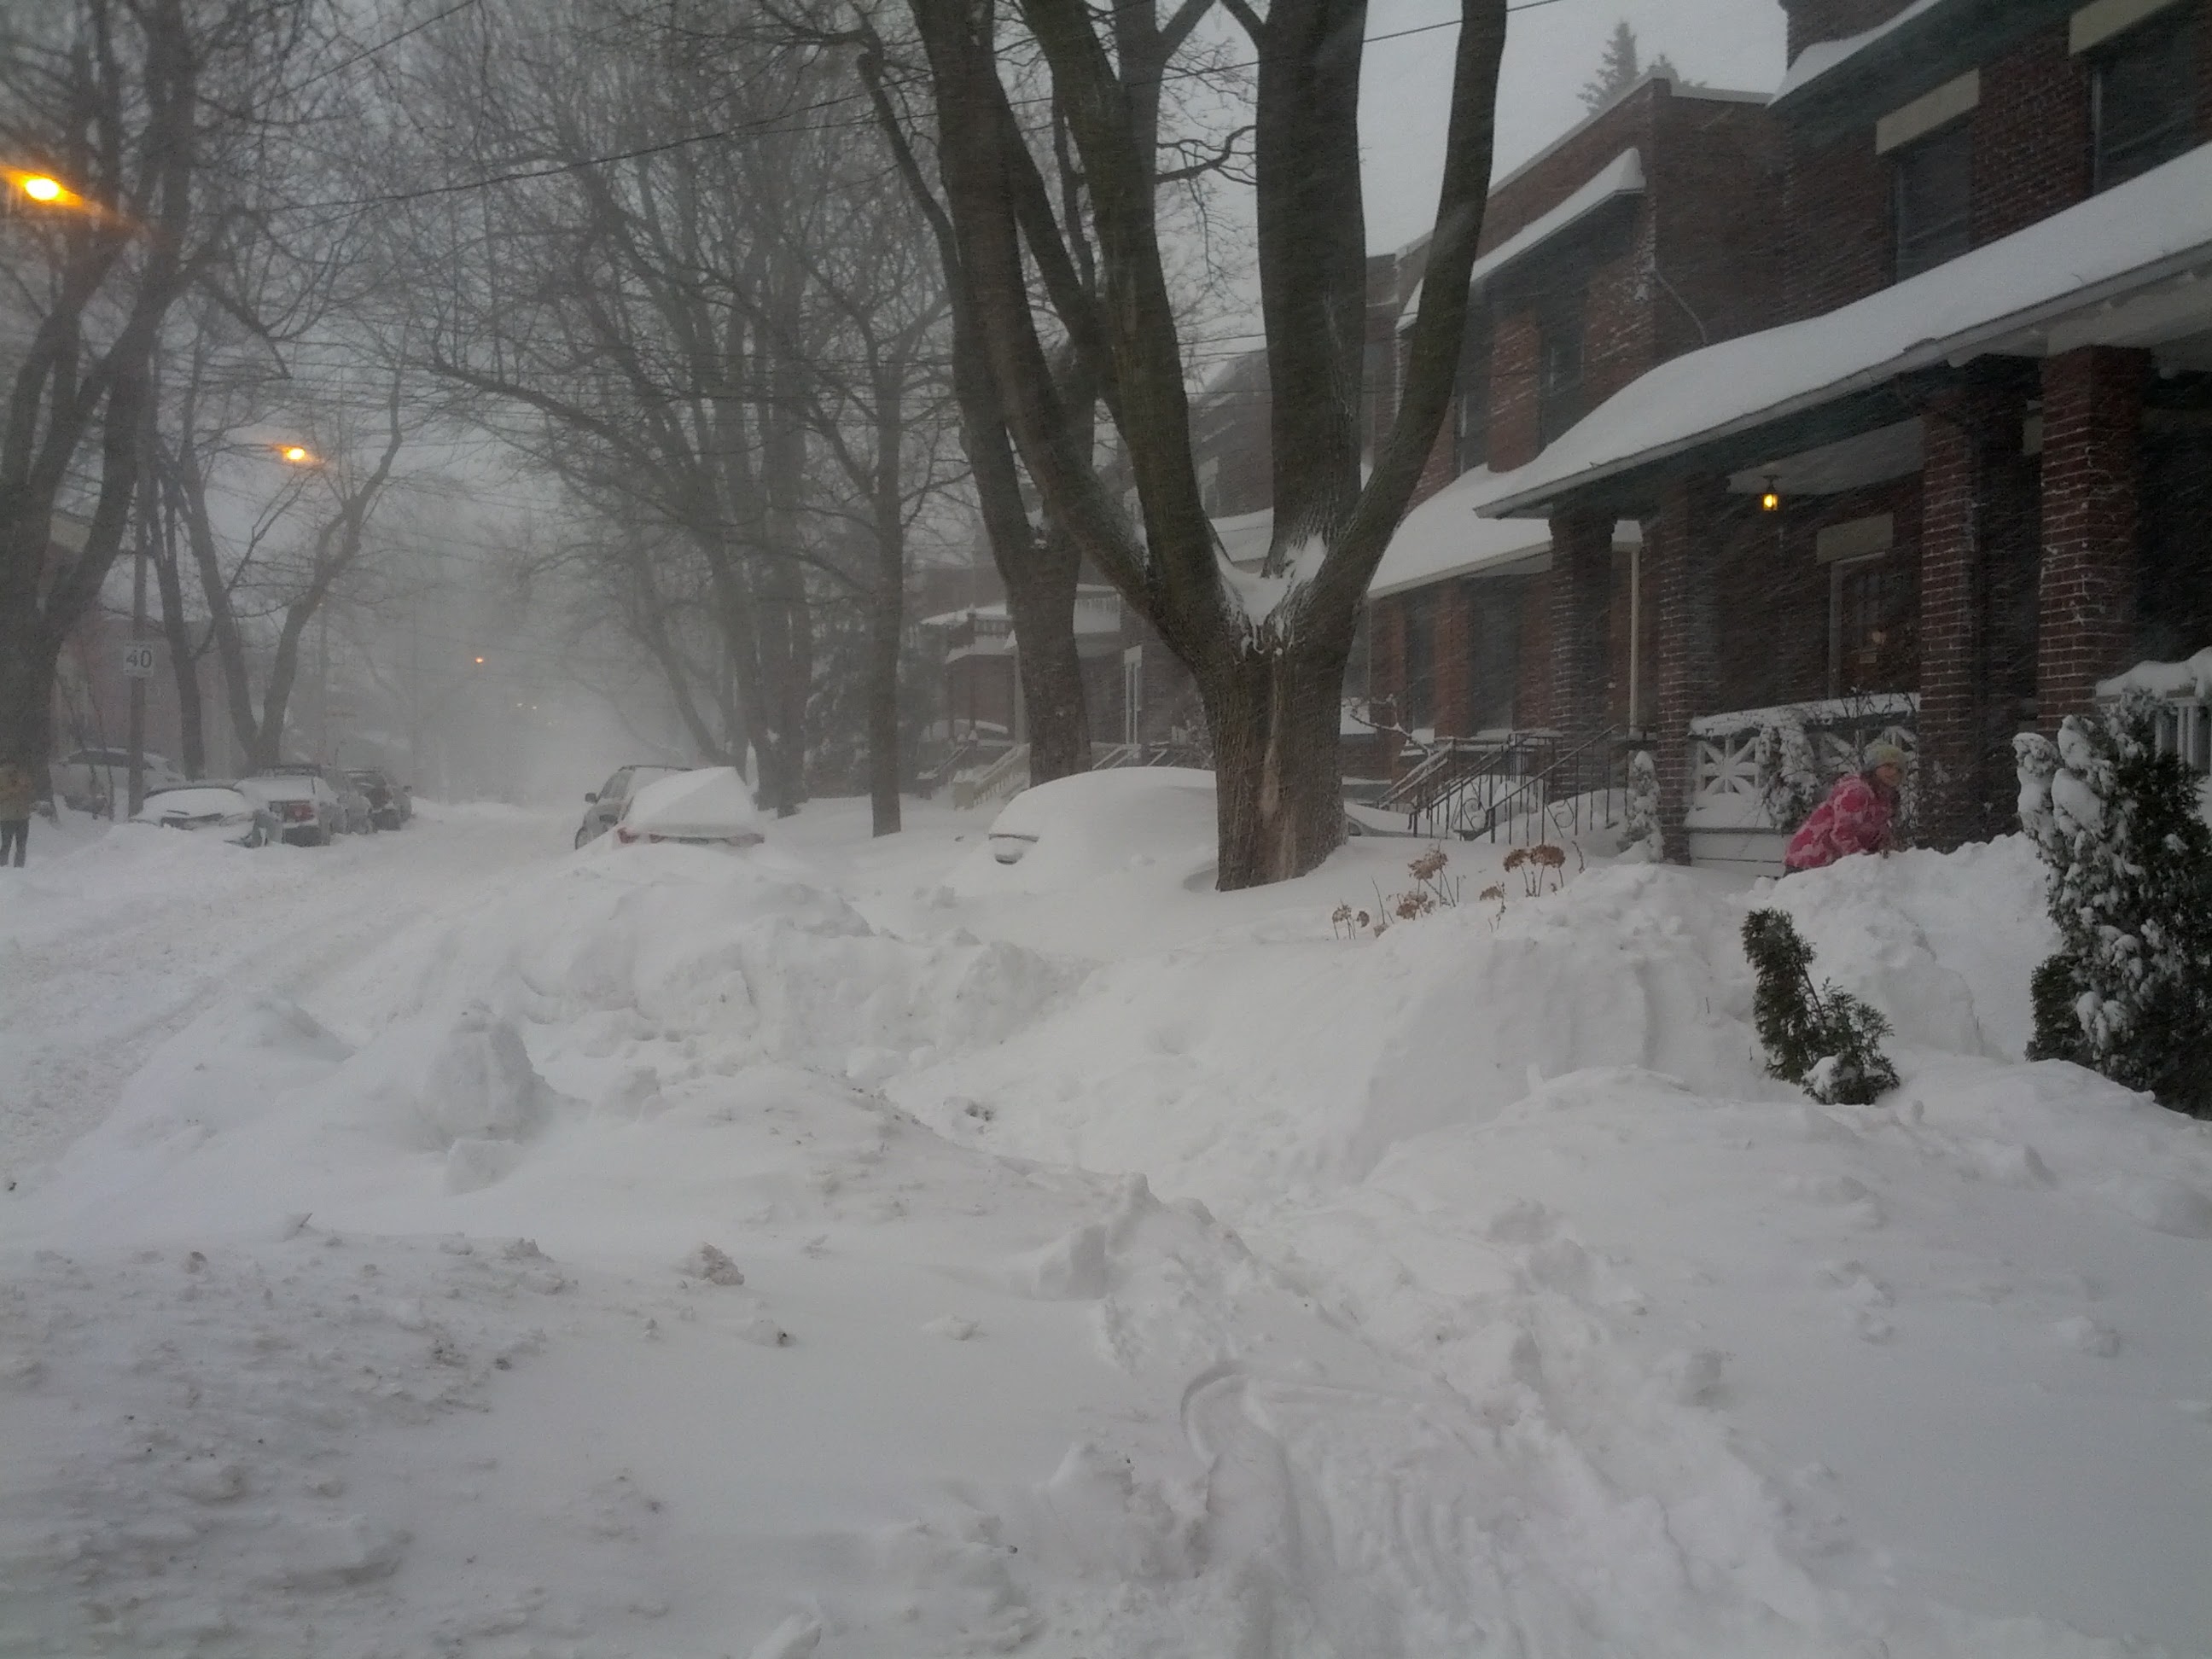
1885, 754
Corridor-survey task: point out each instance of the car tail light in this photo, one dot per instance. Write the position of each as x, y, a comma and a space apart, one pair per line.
625, 835
299, 812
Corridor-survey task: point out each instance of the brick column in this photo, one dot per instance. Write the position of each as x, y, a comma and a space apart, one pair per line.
2092, 469
1578, 591
1972, 443
1451, 653
1678, 560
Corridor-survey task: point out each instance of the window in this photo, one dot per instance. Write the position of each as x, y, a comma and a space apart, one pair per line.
1873, 627
1934, 200
1559, 364
1421, 625
1494, 649
2143, 97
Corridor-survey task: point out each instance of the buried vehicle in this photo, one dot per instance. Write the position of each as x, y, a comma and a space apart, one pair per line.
603, 806
710, 807
390, 804
221, 809
307, 809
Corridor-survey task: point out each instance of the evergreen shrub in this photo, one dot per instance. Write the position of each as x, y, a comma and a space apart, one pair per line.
2129, 862
1825, 1040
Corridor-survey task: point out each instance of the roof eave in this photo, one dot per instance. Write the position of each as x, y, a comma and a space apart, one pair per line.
1953, 349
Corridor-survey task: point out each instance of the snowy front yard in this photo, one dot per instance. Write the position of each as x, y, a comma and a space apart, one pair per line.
877, 1249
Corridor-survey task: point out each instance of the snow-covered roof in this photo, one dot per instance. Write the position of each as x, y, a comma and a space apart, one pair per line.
1621, 176
1823, 55
1443, 538
2002, 296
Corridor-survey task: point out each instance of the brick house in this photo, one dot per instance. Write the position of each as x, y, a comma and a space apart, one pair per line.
1642, 233
1966, 474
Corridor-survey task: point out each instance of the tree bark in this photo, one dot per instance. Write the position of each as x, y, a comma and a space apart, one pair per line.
177, 628
1277, 805
1039, 574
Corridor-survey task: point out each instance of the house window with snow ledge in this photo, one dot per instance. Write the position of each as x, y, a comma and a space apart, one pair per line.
1471, 412
2143, 95
1934, 195
1560, 396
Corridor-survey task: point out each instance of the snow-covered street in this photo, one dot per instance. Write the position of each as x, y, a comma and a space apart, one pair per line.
448, 1242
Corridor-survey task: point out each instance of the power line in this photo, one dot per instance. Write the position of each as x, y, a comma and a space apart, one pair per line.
767, 126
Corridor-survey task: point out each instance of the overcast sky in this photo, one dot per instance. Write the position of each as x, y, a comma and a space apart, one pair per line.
1551, 50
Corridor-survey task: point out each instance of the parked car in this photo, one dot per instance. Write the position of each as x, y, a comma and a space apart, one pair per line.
308, 810
710, 807
212, 808
603, 807
390, 805
90, 779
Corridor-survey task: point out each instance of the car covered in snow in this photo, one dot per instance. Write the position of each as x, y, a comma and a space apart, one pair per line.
712, 806
89, 780
603, 806
214, 808
1077, 829
308, 809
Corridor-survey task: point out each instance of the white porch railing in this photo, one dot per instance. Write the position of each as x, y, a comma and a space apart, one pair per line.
1003, 779
2183, 700
1731, 789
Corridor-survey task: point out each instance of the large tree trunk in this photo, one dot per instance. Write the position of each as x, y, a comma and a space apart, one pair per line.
887, 607
1040, 602
1277, 797
1039, 576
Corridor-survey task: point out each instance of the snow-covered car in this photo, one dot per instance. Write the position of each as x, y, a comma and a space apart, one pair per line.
1079, 828
211, 808
90, 779
603, 806
390, 805
712, 806
309, 810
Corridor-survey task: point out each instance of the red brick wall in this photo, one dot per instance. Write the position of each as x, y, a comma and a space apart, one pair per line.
1716, 176
2031, 136
1838, 245
1532, 697
1577, 593
1691, 517
2092, 464
1515, 427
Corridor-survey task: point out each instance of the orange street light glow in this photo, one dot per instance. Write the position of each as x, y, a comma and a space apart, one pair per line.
296, 455
479, 662
39, 188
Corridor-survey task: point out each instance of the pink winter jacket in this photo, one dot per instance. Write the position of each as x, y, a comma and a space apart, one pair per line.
1855, 818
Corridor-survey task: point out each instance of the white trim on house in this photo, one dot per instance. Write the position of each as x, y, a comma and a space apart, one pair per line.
2094, 24
1924, 115
1858, 538
1823, 57
1621, 176
2128, 267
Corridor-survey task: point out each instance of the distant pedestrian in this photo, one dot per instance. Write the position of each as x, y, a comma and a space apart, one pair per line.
1859, 815
19, 794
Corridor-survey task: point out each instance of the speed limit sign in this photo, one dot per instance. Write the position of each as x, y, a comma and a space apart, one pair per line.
139, 661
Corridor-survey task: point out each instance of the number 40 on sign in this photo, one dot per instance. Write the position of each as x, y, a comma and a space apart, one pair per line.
139, 661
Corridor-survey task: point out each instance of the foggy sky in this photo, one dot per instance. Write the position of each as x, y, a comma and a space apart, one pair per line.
1551, 50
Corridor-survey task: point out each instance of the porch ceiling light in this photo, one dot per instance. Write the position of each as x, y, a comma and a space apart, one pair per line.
1770, 499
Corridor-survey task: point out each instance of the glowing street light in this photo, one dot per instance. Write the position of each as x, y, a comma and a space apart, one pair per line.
39, 188
45, 189
297, 455
480, 662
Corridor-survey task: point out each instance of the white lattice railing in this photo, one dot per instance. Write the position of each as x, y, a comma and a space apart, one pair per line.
1003, 779
2182, 698
1728, 786
2185, 728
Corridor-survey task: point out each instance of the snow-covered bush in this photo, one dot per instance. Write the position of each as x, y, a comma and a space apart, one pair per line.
1826, 1042
1791, 781
2128, 858
1643, 812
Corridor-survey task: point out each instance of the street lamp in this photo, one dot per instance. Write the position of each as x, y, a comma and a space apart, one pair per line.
42, 188
297, 455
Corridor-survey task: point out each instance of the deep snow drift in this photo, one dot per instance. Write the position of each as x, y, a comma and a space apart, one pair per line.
881, 1249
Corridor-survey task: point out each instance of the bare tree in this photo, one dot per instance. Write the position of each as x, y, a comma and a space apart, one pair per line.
121, 102
1268, 649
